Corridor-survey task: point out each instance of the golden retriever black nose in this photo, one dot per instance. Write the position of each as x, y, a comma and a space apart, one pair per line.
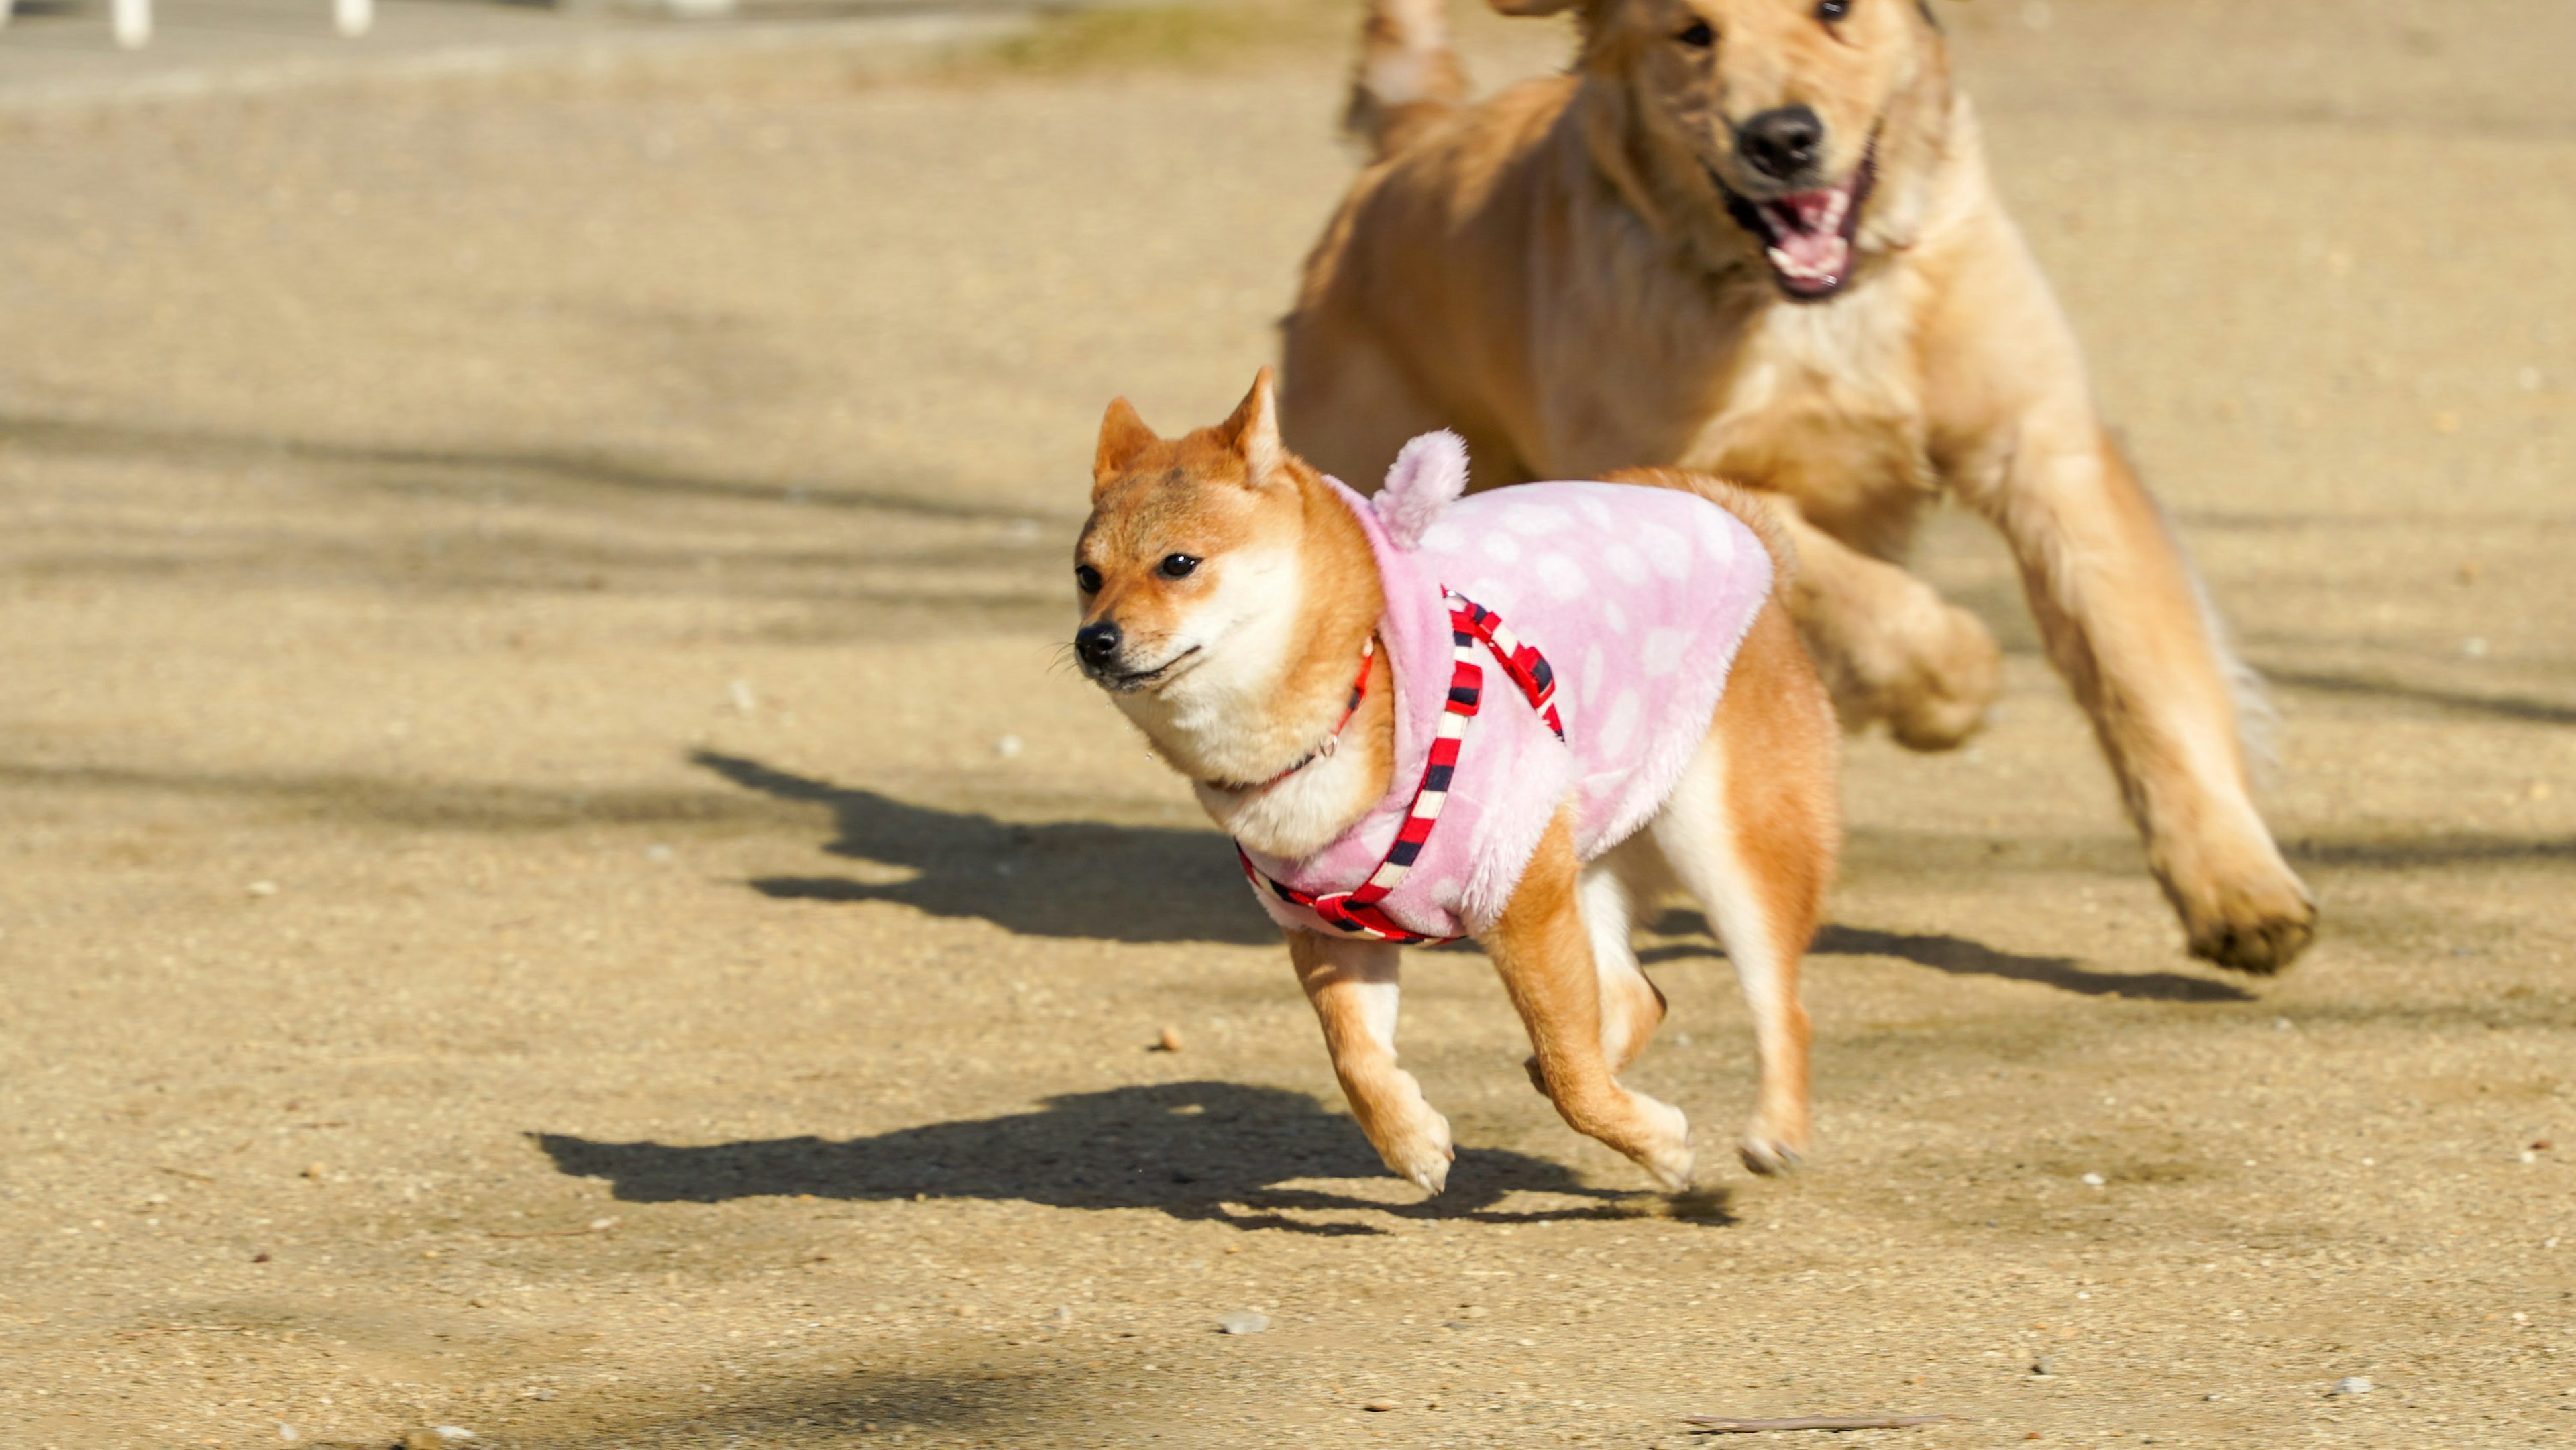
1097, 643
1781, 143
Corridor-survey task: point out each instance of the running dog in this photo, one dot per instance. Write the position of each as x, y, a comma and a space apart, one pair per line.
1518, 717
1756, 238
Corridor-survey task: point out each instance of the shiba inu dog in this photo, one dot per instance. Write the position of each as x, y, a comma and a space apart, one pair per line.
1519, 717
1757, 238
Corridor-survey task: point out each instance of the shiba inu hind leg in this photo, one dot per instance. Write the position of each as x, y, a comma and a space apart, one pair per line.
1752, 832
1631, 1006
1354, 988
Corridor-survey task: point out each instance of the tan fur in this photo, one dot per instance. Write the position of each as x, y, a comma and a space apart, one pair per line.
1555, 272
1752, 830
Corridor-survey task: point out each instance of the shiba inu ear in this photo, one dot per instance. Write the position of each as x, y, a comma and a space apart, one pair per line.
1123, 435
1254, 430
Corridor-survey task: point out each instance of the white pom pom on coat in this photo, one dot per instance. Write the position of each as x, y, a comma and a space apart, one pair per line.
1428, 476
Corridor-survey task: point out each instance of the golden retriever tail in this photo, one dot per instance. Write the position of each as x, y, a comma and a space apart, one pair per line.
1408, 79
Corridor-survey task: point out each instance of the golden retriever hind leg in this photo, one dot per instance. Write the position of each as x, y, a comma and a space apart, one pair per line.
1354, 988
1408, 78
1889, 647
2127, 624
1753, 832
1541, 949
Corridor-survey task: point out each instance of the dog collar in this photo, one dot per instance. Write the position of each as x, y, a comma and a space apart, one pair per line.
1332, 742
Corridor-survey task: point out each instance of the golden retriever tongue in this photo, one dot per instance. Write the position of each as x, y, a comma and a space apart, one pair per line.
1808, 247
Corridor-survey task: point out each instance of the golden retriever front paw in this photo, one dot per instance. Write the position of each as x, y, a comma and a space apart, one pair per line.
1953, 671
2259, 928
1931, 670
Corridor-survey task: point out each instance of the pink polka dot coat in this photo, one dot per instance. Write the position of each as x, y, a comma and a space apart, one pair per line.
1638, 597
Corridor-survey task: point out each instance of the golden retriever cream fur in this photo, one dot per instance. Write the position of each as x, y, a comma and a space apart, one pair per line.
1756, 238
1225, 592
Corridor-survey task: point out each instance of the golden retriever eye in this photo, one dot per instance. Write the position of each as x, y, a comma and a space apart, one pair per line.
1830, 11
1697, 35
1086, 578
1179, 566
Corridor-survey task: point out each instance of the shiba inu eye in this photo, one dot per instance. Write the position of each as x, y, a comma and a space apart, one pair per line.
1086, 578
1698, 36
1179, 566
1830, 11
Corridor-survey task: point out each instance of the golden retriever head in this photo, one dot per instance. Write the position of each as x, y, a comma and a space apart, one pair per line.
1790, 115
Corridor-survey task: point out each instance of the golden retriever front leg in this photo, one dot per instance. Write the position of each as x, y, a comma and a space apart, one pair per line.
2013, 428
2127, 625
1544, 954
1354, 988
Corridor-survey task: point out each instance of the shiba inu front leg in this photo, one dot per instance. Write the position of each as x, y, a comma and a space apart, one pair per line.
1353, 985
1541, 948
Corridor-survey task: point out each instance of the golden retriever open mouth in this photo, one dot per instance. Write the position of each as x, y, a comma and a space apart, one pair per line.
1807, 236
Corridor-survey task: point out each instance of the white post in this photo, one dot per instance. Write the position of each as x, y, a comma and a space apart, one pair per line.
4, 11
353, 17
133, 23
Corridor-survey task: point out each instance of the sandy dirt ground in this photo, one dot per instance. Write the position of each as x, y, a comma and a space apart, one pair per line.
555, 886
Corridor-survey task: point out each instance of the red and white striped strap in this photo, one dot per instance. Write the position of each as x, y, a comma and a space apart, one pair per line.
1470, 625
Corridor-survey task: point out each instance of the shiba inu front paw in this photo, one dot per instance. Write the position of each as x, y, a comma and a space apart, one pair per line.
1422, 1152
1770, 1150
1668, 1153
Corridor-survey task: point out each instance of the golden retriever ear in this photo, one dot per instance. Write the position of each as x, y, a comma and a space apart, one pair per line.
1123, 436
1254, 429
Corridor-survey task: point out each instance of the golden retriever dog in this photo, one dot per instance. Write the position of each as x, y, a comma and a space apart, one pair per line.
1756, 238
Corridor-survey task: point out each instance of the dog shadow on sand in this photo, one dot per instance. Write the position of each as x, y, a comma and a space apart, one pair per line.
1105, 882
1200, 1151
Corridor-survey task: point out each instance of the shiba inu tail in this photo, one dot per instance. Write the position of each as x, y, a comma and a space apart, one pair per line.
1408, 79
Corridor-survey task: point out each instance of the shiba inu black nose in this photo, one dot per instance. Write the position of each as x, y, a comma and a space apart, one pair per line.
1781, 142
1097, 643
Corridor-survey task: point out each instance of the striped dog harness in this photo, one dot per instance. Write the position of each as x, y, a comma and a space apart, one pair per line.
1471, 626
1638, 598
